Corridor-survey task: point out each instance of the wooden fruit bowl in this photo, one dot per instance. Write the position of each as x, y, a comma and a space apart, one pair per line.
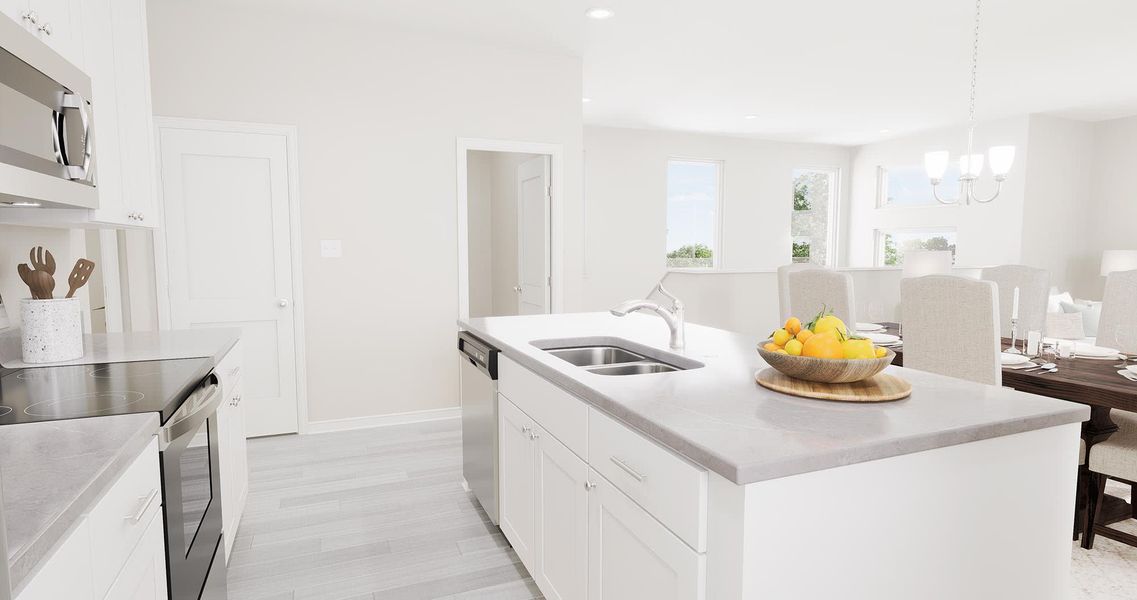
826, 370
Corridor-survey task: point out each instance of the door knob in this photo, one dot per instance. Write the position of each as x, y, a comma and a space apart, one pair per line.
283, 302
31, 17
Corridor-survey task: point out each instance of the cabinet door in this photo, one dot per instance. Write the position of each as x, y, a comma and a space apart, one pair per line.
60, 27
135, 112
631, 555
143, 577
98, 46
235, 487
562, 521
67, 573
517, 459
15, 9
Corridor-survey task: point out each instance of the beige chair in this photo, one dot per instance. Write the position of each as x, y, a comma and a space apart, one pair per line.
939, 312
784, 286
1034, 292
814, 289
1117, 327
1116, 457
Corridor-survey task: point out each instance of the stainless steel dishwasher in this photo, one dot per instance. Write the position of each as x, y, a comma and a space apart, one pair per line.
478, 384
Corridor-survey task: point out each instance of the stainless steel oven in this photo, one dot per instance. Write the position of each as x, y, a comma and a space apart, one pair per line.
46, 150
191, 482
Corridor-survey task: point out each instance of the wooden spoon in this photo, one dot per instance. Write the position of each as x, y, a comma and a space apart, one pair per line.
79, 275
39, 282
26, 274
42, 260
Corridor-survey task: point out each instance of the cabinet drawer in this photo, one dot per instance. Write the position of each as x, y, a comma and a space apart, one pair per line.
554, 409
669, 487
121, 517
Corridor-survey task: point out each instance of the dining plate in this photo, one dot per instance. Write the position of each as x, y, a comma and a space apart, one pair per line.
870, 327
1009, 360
1084, 350
1128, 375
1132, 369
880, 338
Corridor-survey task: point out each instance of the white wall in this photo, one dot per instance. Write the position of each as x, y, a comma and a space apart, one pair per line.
378, 113
1113, 223
988, 234
626, 203
66, 246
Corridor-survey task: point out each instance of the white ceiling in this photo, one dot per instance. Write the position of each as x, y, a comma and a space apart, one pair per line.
834, 71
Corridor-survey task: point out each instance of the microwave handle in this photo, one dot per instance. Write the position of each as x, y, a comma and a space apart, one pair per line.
202, 410
76, 102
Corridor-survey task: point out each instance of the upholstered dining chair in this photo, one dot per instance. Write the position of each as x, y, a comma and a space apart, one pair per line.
941, 308
1034, 293
813, 289
1117, 327
1116, 457
784, 286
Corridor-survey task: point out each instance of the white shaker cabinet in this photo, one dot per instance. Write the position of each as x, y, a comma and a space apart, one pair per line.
58, 23
632, 555
517, 475
233, 446
561, 569
144, 575
67, 574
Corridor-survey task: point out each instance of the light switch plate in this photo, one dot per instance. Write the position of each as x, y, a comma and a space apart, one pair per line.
331, 248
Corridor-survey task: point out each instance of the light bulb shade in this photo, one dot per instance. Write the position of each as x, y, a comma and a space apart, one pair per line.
970, 165
919, 263
935, 163
1001, 157
1118, 260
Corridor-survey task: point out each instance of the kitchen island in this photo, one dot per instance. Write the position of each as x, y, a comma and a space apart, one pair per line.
698, 483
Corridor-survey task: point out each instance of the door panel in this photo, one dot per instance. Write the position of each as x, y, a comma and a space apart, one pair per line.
518, 503
533, 235
229, 249
562, 528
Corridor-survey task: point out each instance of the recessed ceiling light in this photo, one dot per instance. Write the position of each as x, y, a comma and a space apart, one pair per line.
599, 13
586, 100
750, 117
22, 204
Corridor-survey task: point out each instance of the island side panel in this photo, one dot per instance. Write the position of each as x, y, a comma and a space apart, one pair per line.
988, 519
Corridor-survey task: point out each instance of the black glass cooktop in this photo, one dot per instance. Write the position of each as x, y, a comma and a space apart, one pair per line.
73, 392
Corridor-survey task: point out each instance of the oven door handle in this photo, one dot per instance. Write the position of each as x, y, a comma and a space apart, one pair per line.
199, 407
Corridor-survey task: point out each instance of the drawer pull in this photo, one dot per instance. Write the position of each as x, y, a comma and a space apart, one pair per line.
589, 486
147, 501
628, 469
235, 372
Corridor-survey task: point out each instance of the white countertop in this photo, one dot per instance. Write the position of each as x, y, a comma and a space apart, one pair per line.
131, 347
721, 419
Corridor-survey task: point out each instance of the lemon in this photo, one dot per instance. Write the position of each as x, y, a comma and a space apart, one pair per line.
793, 325
858, 348
830, 323
881, 352
793, 347
780, 351
782, 336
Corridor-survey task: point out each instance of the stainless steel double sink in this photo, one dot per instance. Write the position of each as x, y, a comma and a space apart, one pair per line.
606, 359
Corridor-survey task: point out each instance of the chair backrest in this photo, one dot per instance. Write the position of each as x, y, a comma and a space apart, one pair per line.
784, 286
813, 289
1117, 327
1034, 293
951, 327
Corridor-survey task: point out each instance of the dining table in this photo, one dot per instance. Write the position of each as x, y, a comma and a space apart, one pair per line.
1093, 382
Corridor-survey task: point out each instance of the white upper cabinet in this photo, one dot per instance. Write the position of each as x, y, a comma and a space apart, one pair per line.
14, 9
57, 22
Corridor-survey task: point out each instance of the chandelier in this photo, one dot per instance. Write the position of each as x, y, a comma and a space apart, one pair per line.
970, 164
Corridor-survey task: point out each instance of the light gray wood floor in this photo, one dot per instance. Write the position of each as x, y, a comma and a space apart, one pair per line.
369, 514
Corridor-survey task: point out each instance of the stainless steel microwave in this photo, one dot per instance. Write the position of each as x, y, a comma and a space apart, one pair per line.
46, 151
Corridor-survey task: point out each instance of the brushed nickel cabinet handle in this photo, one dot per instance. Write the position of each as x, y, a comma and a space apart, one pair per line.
146, 502
628, 469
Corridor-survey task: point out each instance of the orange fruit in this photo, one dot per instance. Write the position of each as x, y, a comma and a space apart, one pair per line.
782, 336
823, 345
804, 335
780, 351
793, 325
771, 346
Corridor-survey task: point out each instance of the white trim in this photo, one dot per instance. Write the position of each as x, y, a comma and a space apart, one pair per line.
833, 222
161, 265
717, 245
556, 213
418, 416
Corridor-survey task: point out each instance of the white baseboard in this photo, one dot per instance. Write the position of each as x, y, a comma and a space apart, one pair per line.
418, 416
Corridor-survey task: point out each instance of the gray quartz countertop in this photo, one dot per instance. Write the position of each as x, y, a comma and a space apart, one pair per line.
54, 473
718, 417
101, 348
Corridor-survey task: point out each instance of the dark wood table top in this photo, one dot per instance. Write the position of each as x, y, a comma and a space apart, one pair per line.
1082, 380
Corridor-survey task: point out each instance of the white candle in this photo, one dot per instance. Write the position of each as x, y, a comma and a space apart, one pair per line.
1015, 305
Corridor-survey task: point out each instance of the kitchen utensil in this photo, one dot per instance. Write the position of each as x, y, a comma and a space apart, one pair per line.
79, 275
26, 275
1054, 370
880, 388
1043, 367
826, 370
40, 283
42, 260
1007, 359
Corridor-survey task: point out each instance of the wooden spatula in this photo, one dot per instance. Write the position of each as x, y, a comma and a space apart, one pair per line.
79, 275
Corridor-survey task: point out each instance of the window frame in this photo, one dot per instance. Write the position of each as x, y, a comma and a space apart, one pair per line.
882, 193
833, 224
720, 204
878, 241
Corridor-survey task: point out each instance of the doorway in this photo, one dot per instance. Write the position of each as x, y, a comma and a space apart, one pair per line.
507, 199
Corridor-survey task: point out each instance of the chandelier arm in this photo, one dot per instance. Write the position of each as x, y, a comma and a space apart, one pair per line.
998, 188
936, 194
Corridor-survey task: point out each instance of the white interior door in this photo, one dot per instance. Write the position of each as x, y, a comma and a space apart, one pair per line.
533, 236
229, 249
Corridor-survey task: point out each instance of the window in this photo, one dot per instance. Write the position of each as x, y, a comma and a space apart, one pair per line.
693, 197
812, 221
908, 185
891, 245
